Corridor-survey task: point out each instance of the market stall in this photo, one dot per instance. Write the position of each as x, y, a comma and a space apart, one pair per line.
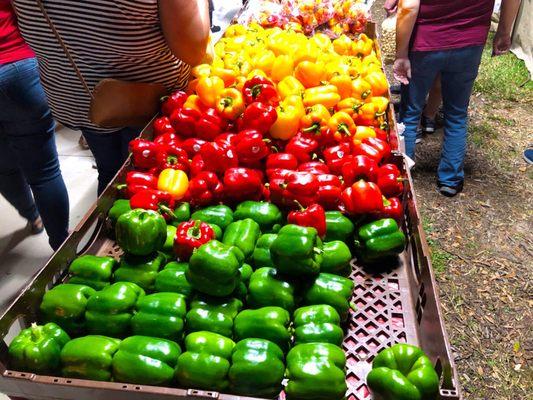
261, 242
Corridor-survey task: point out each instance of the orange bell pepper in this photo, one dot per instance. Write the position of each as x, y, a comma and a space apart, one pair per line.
363, 132
363, 46
342, 125
239, 83
343, 45
290, 86
288, 122
326, 95
361, 89
343, 83
283, 66
208, 89
193, 102
230, 103
226, 74
264, 61
309, 73
378, 82
350, 106
201, 70
173, 181
316, 120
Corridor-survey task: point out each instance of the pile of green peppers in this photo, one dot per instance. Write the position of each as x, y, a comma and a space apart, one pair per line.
262, 302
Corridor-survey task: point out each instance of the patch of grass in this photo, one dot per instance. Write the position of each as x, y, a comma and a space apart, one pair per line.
504, 77
480, 133
502, 120
440, 259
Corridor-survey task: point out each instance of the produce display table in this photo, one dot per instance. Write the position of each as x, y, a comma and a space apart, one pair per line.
398, 304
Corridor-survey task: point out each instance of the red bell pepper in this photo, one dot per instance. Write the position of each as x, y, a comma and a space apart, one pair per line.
173, 102
137, 181
243, 184
313, 216
218, 157
227, 138
168, 138
157, 200
362, 198
189, 236
183, 121
258, 116
301, 146
292, 188
314, 167
209, 125
197, 165
359, 167
172, 156
329, 191
260, 89
389, 180
392, 208
205, 189
192, 146
281, 160
144, 153
251, 146
337, 156
162, 125
374, 148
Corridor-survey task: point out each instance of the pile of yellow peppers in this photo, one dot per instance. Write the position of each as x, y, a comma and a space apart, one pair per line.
323, 84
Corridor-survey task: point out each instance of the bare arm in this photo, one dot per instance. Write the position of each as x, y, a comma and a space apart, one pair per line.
185, 25
502, 39
407, 14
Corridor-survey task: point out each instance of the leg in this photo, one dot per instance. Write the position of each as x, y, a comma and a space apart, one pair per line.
434, 99
457, 80
424, 68
29, 127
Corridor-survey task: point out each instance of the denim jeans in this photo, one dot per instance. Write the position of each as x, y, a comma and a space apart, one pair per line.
110, 150
28, 155
458, 69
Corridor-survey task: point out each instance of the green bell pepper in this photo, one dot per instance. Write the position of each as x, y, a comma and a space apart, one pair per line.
338, 227
330, 289
296, 251
92, 271
182, 213
65, 305
242, 234
213, 314
89, 357
145, 360
206, 362
37, 349
214, 268
168, 246
270, 323
119, 207
317, 324
172, 279
336, 257
110, 310
141, 232
267, 288
379, 240
242, 287
261, 256
257, 368
141, 270
403, 372
316, 372
266, 214
160, 315
218, 231
219, 215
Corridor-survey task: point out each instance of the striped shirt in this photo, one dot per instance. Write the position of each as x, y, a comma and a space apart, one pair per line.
119, 39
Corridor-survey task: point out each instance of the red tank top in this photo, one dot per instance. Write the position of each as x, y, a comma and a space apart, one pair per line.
451, 24
12, 46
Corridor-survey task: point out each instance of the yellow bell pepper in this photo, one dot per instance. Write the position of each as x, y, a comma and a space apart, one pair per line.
371, 59
220, 48
193, 101
380, 103
361, 89
308, 51
277, 43
378, 83
235, 30
342, 125
227, 75
295, 101
239, 83
230, 103
363, 132
316, 119
334, 68
201, 70
265, 61
283, 66
290, 86
323, 42
326, 95
256, 72
288, 122
343, 83
343, 45
173, 181
208, 89
350, 106
363, 46
309, 73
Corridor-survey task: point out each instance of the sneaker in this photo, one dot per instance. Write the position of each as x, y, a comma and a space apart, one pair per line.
528, 156
419, 136
427, 125
450, 191
36, 226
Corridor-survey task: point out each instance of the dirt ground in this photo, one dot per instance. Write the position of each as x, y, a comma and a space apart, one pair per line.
482, 248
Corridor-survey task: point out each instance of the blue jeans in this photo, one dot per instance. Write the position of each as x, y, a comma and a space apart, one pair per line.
458, 69
28, 155
110, 150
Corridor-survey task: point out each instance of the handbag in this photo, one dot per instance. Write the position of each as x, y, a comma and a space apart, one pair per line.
116, 103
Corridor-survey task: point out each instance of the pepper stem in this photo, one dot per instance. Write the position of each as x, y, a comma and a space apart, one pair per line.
313, 128
343, 128
194, 231
302, 208
36, 332
167, 210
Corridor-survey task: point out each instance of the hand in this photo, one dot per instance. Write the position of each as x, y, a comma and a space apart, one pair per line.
390, 6
501, 43
402, 70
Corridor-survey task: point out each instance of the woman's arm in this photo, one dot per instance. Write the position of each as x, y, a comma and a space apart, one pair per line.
407, 13
185, 25
502, 39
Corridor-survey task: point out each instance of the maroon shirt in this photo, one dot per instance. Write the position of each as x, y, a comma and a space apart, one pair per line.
451, 24
12, 46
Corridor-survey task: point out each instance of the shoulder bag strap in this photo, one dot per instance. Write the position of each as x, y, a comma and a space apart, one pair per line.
65, 48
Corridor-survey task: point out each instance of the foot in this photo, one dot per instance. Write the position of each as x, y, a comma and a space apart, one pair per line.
36, 226
83, 143
450, 191
528, 156
419, 136
427, 125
